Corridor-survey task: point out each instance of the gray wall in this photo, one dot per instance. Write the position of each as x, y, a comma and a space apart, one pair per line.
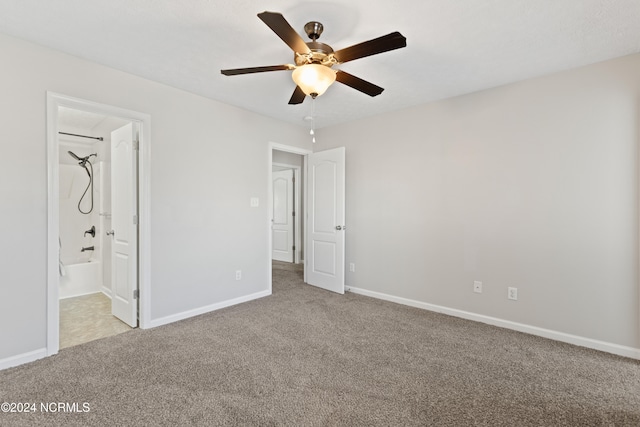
532, 185
287, 158
207, 160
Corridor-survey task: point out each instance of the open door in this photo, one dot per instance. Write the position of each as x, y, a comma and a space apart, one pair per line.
326, 212
124, 219
282, 219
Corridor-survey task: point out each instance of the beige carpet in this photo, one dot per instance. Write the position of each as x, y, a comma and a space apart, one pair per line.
87, 318
307, 357
289, 266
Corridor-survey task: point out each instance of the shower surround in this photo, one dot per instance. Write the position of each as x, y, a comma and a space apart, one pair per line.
88, 271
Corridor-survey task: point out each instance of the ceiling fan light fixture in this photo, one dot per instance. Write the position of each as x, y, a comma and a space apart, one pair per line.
313, 79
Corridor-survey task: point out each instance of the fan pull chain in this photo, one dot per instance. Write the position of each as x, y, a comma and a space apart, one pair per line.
312, 132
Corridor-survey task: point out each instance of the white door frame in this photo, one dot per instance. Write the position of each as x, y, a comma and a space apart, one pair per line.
297, 191
55, 100
289, 149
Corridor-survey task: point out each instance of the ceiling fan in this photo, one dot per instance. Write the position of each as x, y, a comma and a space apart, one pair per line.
312, 71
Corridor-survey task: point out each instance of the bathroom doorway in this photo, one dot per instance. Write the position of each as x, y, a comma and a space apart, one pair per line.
96, 218
85, 219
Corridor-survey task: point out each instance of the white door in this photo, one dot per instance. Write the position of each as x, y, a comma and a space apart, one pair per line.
282, 216
124, 207
325, 236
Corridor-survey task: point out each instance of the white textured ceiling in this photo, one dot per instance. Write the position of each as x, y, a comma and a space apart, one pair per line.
453, 46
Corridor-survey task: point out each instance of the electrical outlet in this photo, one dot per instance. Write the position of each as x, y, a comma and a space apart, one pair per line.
512, 293
352, 267
477, 287
238, 274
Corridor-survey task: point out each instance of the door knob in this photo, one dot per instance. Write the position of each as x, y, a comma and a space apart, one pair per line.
338, 227
111, 233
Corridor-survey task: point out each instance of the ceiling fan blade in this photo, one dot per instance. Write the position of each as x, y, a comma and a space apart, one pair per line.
372, 47
358, 84
297, 97
281, 27
236, 71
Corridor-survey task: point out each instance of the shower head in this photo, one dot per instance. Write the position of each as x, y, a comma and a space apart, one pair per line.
82, 160
74, 156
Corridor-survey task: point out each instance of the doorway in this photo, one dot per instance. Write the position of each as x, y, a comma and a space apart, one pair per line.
323, 222
85, 282
81, 244
286, 208
287, 242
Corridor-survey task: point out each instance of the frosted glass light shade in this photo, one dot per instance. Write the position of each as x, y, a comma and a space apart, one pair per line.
313, 78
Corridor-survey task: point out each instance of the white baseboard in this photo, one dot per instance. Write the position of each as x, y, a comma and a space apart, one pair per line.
619, 350
81, 294
20, 359
206, 309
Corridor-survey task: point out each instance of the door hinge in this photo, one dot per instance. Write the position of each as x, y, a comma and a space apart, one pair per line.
293, 214
135, 220
136, 144
293, 248
293, 179
135, 294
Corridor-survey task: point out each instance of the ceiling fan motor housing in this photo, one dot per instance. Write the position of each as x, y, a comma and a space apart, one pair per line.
320, 53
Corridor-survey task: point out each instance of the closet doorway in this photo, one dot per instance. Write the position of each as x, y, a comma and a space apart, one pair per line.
287, 213
286, 208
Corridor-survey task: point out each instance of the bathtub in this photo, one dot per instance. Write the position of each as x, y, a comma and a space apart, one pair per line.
81, 277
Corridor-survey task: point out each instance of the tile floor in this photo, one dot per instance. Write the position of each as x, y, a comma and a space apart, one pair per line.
87, 318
